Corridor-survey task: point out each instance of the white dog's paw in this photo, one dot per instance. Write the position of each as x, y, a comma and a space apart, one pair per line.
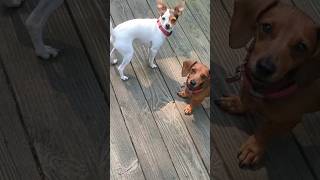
114, 61
124, 78
46, 52
153, 66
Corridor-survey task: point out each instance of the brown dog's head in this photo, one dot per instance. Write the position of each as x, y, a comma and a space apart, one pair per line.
197, 74
285, 38
169, 16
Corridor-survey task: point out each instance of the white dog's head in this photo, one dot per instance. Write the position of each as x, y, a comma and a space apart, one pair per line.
169, 16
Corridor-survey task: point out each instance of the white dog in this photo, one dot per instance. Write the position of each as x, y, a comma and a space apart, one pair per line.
36, 22
152, 31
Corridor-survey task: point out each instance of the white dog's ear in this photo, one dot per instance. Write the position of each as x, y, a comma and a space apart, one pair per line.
179, 7
186, 68
161, 6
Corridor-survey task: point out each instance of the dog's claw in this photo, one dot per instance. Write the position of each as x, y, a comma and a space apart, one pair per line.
114, 61
188, 110
153, 66
46, 52
124, 78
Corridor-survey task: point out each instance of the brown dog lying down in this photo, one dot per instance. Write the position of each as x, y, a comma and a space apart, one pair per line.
197, 85
281, 76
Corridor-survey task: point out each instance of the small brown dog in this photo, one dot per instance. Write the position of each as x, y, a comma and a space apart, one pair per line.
281, 77
197, 86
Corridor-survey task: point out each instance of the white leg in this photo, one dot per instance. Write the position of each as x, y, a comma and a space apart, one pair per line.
35, 24
126, 60
152, 54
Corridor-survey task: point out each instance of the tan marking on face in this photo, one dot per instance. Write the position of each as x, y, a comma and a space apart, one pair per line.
199, 73
290, 29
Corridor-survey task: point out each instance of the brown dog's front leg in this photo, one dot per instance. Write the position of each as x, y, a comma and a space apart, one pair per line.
253, 149
188, 109
231, 104
183, 92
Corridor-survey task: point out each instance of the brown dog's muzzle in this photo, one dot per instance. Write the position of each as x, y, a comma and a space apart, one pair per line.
264, 68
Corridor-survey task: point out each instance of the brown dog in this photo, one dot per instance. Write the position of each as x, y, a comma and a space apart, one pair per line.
280, 78
197, 86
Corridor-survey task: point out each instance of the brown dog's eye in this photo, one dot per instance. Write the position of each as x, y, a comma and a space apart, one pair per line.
193, 70
173, 21
300, 47
163, 18
203, 76
266, 28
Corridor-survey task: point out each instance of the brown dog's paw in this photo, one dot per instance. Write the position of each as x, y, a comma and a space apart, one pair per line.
188, 110
250, 152
231, 104
182, 94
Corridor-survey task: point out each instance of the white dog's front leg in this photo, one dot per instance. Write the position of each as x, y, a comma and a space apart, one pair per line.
152, 54
35, 24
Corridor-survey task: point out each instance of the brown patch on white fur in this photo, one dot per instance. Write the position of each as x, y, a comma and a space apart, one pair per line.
162, 8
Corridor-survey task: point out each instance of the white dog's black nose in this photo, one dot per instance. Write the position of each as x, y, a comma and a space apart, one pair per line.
167, 26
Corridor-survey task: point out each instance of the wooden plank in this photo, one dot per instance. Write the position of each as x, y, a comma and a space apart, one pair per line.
16, 159
218, 170
198, 124
307, 133
124, 162
200, 11
176, 137
91, 22
150, 148
61, 102
230, 131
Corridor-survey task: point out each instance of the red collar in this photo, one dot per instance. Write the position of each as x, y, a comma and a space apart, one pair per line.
196, 90
281, 89
165, 32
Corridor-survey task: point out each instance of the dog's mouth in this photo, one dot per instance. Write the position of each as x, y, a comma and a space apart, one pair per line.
193, 88
263, 83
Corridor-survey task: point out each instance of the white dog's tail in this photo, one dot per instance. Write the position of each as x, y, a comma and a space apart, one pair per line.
112, 39
111, 33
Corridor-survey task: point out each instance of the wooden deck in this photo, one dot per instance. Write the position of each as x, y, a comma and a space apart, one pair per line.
53, 113
293, 157
151, 138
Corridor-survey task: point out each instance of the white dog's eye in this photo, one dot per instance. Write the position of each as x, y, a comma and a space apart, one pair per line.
163, 18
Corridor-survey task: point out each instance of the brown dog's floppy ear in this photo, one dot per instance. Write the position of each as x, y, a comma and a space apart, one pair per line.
179, 8
161, 6
244, 18
187, 65
310, 71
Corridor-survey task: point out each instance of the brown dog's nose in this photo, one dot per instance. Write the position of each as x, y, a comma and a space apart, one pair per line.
193, 83
167, 26
265, 67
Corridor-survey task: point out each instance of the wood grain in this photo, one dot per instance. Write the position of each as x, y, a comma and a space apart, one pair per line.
90, 21
124, 163
16, 158
61, 102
